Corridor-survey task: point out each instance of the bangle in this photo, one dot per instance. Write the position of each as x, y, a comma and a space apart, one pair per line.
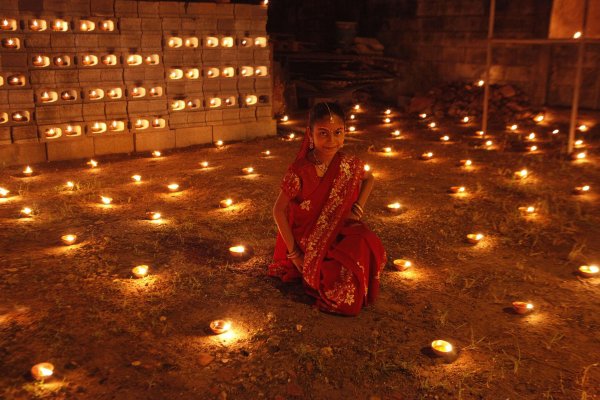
359, 207
293, 254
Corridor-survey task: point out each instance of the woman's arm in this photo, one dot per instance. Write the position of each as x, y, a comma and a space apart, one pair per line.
281, 219
365, 189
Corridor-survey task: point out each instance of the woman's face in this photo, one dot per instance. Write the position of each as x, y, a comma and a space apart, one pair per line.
328, 135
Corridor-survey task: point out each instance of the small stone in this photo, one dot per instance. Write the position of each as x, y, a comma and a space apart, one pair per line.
299, 328
136, 363
163, 318
327, 352
205, 359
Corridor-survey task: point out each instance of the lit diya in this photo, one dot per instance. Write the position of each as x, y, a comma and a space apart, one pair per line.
219, 143
465, 163
532, 149
237, 251
156, 154
136, 178
204, 164
589, 271
387, 120
225, 203
92, 163
442, 348
388, 111
581, 189
173, 187
394, 207
432, 125
445, 138
68, 239
457, 189
555, 132
386, 150
402, 265
219, 326
153, 215
26, 212
579, 156
140, 271
423, 116
396, 133
266, 153
522, 174
367, 167
42, 371
351, 129
465, 120
474, 238
106, 200
529, 210
285, 118
4, 192
426, 156
248, 171
522, 307
514, 127
70, 185
28, 171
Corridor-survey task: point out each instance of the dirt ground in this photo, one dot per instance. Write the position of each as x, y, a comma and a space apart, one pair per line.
111, 336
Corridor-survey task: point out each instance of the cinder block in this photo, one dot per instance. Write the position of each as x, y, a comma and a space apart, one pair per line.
134, 74
247, 114
126, 8
117, 109
178, 119
189, 24
173, 58
71, 112
138, 107
108, 41
47, 114
197, 118
224, 10
127, 24
214, 117
264, 112
225, 25
263, 84
229, 133
157, 106
4, 96
154, 74
151, 41
212, 55
193, 135
86, 76
54, 6
5, 136
201, 9
171, 8
80, 147
245, 84
262, 55
211, 85
261, 128
86, 41
62, 41
228, 84
93, 111
259, 25
25, 134
176, 89
171, 24
231, 115
243, 10
151, 140
22, 153
37, 41
245, 56
150, 24
103, 8
21, 98
14, 60
66, 77
242, 25
192, 57
129, 41
114, 144
10, 5
194, 87
111, 75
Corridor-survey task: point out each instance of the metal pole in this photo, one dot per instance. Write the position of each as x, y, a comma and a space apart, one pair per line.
488, 62
577, 84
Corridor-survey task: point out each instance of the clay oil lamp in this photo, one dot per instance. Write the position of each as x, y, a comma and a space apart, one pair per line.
581, 189
402, 265
42, 371
68, 239
140, 271
589, 271
220, 326
522, 307
225, 203
394, 207
474, 238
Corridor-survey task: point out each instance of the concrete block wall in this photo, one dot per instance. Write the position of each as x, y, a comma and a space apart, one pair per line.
91, 77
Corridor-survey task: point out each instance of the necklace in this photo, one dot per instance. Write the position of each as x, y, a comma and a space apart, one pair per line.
321, 166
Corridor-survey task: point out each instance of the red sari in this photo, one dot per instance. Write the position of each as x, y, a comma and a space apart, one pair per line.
342, 258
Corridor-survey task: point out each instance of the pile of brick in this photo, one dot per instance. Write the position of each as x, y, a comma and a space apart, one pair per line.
84, 78
457, 100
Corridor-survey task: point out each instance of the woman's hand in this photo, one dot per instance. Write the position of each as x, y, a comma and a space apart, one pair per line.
298, 262
353, 217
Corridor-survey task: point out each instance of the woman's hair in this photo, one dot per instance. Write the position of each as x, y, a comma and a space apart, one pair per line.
324, 110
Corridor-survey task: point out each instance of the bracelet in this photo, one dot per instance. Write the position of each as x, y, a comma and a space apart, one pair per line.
359, 207
293, 254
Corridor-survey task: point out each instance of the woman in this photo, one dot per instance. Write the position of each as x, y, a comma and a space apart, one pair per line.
321, 238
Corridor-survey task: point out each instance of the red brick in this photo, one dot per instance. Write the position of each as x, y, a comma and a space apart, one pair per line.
242, 25
192, 57
211, 86
157, 106
79, 147
173, 58
113, 144
189, 24
212, 56
23, 153
192, 135
55, 6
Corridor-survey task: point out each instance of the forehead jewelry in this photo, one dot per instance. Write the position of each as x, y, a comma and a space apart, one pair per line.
330, 113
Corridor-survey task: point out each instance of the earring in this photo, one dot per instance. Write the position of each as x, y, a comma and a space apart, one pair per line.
311, 145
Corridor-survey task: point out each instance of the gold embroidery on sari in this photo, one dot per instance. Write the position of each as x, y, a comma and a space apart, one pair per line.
305, 205
343, 290
291, 184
